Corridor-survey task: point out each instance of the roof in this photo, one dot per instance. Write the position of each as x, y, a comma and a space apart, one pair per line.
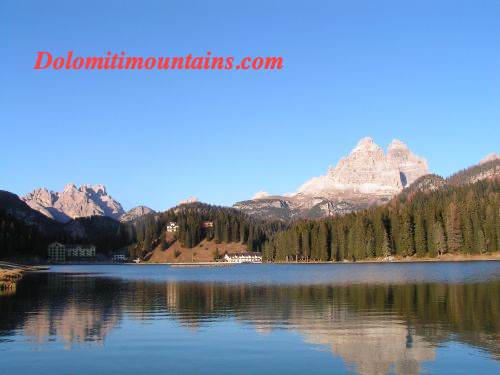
78, 245
244, 254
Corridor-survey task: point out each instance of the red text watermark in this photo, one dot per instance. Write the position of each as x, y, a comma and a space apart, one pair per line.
46, 60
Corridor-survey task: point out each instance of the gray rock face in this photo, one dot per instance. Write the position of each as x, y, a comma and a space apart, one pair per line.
135, 213
366, 177
73, 203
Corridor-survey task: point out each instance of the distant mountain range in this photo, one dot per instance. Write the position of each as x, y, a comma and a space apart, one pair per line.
366, 177
86, 201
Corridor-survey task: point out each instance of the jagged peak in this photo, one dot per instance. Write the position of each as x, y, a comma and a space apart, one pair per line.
366, 144
69, 187
396, 144
95, 188
490, 157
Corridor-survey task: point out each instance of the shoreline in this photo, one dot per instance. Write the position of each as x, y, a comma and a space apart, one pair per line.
395, 259
392, 259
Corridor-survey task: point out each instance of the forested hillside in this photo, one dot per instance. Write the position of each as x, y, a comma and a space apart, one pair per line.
453, 219
228, 225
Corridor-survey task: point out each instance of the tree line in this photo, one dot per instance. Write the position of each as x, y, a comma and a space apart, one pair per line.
453, 219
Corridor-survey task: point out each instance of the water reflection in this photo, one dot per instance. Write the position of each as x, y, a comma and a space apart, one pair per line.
374, 329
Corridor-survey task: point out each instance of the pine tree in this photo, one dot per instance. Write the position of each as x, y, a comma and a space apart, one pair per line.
440, 239
323, 242
369, 242
306, 243
386, 245
420, 236
490, 229
406, 242
453, 231
481, 242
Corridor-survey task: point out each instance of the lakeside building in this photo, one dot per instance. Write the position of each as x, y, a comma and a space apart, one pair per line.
60, 253
119, 257
243, 257
172, 227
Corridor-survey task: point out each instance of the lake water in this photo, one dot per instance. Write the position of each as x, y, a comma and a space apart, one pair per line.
435, 318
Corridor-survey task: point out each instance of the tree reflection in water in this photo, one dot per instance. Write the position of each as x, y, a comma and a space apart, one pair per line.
374, 328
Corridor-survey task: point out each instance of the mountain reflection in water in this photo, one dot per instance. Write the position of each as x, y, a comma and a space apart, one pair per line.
374, 328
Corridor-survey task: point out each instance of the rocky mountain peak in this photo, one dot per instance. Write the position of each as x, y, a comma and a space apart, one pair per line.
367, 176
490, 157
136, 213
97, 189
367, 146
396, 144
68, 188
73, 203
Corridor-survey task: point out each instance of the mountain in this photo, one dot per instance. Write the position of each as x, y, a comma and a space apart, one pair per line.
86, 201
12, 205
366, 177
484, 170
136, 213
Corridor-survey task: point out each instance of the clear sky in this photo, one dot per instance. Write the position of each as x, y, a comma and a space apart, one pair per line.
425, 72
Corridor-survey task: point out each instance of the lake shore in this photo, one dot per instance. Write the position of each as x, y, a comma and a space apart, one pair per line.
414, 259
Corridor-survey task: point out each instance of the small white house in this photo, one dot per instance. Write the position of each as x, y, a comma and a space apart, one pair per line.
172, 227
243, 257
119, 257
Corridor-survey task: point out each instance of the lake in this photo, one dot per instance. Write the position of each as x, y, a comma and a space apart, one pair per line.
435, 318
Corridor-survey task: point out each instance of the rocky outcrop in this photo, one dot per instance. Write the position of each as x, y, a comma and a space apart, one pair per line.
490, 157
136, 213
485, 170
74, 203
427, 183
367, 176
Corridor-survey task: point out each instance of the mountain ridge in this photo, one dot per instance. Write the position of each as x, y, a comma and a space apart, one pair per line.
367, 176
85, 201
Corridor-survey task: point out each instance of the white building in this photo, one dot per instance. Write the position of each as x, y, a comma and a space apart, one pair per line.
119, 257
59, 253
243, 257
172, 227
56, 252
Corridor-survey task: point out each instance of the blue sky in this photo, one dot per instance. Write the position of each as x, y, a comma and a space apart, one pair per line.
425, 72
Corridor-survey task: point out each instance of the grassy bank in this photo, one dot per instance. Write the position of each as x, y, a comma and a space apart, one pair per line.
9, 279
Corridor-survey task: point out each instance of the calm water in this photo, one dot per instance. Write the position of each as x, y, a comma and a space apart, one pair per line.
439, 318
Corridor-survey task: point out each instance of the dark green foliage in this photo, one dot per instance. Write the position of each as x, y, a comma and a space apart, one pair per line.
229, 225
458, 219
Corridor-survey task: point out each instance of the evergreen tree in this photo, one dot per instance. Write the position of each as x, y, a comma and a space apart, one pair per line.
440, 239
323, 242
481, 242
453, 231
407, 246
420, 236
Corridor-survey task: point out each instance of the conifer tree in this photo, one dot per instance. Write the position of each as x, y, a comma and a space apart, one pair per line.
440, 239
453, 231
420, 236
407, 246
323, 243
